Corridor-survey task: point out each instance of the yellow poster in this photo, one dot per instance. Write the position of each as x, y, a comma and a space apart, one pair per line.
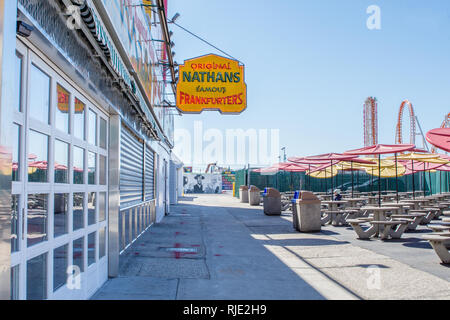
211, 82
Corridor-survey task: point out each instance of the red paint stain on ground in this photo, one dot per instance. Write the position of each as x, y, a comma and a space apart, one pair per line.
218, 255
178, 255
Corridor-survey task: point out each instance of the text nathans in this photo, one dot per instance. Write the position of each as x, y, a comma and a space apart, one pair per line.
211, 82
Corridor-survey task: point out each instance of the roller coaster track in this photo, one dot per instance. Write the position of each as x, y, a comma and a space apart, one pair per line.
445, 124
412, 119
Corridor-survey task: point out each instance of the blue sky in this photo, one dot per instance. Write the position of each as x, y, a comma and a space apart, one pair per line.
310, 65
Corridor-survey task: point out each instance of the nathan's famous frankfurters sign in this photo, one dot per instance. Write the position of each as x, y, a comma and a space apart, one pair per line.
211, 82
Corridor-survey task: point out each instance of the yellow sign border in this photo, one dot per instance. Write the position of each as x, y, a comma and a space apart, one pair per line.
213, 109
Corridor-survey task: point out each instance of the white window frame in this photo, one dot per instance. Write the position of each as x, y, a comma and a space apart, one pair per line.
22, 187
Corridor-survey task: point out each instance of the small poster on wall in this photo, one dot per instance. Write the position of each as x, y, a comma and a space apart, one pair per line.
202, 183
187, 169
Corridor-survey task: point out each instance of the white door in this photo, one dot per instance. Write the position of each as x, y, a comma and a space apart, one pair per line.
59, 203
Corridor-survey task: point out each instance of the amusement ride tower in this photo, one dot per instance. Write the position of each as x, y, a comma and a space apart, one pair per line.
370, 122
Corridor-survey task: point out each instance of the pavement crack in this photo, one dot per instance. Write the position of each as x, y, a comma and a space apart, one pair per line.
178, 287
202, 233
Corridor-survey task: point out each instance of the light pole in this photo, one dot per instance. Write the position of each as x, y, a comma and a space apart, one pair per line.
284, 151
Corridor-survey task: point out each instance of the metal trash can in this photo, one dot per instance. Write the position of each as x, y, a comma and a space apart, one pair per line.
307, 211
243, 194
272, 202
294, 210
254, 196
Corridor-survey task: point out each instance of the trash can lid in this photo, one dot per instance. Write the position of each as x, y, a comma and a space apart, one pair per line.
307, 196
254, 189
272, 192
296, 196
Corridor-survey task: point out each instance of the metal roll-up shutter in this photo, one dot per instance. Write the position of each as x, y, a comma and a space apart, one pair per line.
149, 179
172, 182
131, 168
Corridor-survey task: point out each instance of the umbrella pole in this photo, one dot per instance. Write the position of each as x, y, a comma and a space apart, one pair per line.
276, 181
351, 168
413, 182
440, 182
309, 177
371, 184
429, 177
405, 178
332, 182
357, 178
291, 182
448, 181
396, 177
379, 180
423, 182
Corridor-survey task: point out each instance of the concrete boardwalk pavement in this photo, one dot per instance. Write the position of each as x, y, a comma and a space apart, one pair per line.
212, 247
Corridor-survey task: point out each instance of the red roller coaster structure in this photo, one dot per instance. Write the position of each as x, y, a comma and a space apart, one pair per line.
445, 124
370, 122
412, 119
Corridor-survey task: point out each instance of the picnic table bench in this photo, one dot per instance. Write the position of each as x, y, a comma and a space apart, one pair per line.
438, 227
440, 243
430, 214
391, 229
333, 217
416, 219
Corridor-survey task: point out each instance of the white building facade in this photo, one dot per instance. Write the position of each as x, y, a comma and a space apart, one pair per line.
86, 139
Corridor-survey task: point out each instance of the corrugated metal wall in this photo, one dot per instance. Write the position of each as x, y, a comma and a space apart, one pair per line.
131, 168
149, 176
173, 187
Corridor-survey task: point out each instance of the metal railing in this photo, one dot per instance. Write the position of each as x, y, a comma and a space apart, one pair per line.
134, 221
